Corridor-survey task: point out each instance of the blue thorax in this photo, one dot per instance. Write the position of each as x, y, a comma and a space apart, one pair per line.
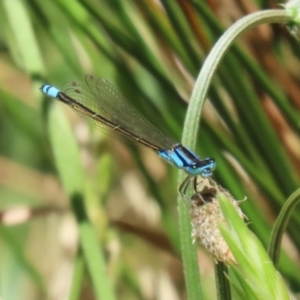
187, 160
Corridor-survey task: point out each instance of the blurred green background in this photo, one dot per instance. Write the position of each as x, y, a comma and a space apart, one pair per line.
152, 51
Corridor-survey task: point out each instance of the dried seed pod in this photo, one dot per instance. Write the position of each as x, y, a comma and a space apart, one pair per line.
206, 215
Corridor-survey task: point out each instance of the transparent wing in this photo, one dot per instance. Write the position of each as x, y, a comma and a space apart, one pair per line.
105, 100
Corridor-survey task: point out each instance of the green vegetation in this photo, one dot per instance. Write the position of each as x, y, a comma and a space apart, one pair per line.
86, 216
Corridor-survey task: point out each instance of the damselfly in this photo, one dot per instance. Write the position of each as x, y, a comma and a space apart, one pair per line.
102, 104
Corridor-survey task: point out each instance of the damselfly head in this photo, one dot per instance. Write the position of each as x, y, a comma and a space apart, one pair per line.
209, 165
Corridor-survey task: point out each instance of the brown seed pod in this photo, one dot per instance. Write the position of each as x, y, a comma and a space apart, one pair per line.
206, 215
